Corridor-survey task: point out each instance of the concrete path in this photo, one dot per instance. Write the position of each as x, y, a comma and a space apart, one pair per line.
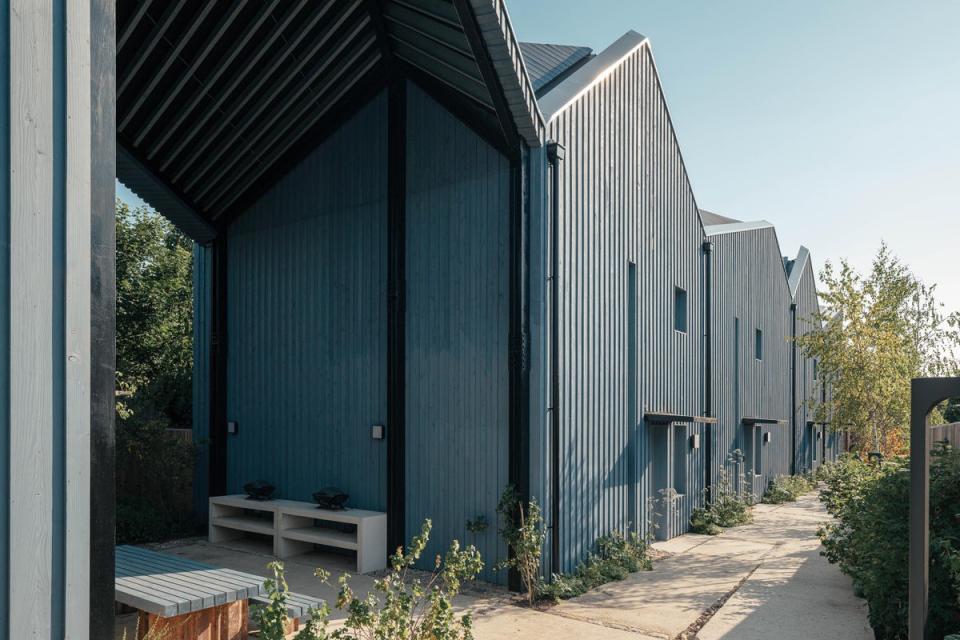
768, 579
764, 580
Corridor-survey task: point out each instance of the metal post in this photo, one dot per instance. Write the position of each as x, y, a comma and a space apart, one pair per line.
925, 394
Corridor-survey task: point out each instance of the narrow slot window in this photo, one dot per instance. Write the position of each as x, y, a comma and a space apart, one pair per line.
758, 346
680, 309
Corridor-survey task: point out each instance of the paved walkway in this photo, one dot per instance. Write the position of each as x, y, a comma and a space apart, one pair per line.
764, 580
769, 577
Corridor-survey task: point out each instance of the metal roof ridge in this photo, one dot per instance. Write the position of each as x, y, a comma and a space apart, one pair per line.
580, 81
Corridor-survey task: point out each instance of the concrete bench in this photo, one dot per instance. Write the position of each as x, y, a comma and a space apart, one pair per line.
295, 527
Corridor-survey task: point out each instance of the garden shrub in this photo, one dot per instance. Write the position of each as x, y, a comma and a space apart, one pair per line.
728, 507
870, 538
401, 605
616, 557
154, 483
787, 489
524, 532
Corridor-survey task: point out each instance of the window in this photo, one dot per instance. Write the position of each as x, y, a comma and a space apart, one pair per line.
758, 450
758, 346
680, 309
816, 371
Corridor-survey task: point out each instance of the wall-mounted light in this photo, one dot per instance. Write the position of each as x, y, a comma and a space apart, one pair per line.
767, 437
695, 441
377, 432
233, 428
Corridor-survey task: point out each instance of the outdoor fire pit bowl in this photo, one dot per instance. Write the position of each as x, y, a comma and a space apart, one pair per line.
330, 498
259, 490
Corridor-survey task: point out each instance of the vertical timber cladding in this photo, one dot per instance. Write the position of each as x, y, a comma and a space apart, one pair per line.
457, 304
749, 284
56, 297
307, 307
625, 198
808, 389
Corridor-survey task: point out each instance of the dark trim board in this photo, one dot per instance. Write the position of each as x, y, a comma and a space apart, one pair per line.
218, 367
103, 315
396, 327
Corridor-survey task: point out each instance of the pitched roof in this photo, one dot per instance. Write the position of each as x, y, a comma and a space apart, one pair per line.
711, 218
547, 62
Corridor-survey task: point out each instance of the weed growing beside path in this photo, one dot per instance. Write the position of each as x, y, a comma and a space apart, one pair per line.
788, 489
617, 557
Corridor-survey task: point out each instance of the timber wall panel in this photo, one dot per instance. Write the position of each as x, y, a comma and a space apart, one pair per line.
457, 300
306, 303
625, 198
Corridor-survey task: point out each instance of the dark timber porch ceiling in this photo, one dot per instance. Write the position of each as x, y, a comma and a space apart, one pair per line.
216, 100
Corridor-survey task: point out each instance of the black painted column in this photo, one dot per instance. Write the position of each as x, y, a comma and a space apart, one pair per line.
396, 328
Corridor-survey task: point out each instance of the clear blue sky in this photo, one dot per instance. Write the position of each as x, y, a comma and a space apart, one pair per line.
839, 122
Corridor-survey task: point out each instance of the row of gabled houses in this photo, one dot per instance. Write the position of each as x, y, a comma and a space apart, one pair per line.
500, 261
431, 262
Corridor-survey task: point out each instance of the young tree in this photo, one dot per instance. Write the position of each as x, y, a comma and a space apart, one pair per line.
878, 331
154, 317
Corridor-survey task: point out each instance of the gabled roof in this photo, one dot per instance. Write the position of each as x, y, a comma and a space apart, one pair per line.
711, 218
580, 81
795, 269
546, 63
735, 227
216, 101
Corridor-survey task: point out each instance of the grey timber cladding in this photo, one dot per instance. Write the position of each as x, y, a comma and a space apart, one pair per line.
750, 292
625, 198
306, 302
809, 449
456, 330
49, 182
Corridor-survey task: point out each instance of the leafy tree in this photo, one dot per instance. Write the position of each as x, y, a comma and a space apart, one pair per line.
154, 317
154, 373
879, 330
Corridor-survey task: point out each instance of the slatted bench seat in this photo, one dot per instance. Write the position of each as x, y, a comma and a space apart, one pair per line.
181, 598
295, 527
298, 607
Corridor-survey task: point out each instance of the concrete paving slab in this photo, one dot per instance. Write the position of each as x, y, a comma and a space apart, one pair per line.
680, 544
667, 600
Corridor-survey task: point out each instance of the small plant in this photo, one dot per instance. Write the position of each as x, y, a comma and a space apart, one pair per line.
616, 557
272, 617
787, 489
524, 533
400, 606
729, 508
411, 609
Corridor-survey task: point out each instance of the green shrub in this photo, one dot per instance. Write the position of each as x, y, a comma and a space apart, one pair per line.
616, 557
870, 538
787, 489
524, 532
728, 507
400, 606
154, 483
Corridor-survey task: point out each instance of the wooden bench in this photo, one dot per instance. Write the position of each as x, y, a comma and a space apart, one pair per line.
295, 527
183, 599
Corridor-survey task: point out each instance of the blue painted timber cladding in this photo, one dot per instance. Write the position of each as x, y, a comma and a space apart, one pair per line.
307, 322
456, 329
625, 198
750, 292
